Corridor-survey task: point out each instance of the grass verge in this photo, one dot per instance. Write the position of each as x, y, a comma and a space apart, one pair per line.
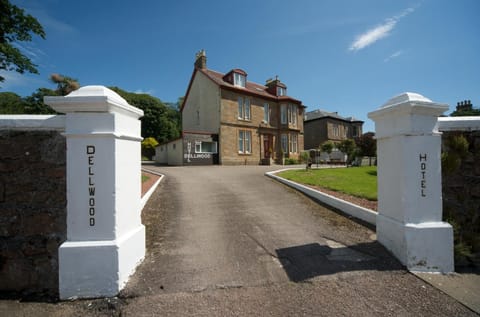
145, 178
356, 181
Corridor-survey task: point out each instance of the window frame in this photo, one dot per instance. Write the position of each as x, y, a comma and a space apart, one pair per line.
247, 109
244, 109
240, 107
239, 80
355, 131
266, 112
292, 114
335, 130
293, 143
284, 142
283, 114
244, 142
200, 143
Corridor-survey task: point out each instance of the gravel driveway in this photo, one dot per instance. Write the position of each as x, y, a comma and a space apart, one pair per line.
228, 241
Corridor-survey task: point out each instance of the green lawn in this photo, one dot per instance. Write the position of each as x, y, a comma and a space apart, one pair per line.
355, 181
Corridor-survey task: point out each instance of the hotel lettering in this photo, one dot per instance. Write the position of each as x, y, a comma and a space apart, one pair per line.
423, 171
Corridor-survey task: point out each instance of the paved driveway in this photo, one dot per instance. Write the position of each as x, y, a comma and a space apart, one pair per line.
228, 240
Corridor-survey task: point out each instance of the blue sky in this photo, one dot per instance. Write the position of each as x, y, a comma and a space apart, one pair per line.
337, 55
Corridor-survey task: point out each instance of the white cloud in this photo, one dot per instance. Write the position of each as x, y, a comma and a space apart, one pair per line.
141, 91
394, 55
379, 32
15, 81
31, 50
373, 35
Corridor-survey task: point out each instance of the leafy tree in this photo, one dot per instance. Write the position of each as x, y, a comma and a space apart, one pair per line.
348, 147
464, 113
16, 26
65, 84
34, 103
180, 102
366, 144
11, 103
327, 146
455, 149
159, 120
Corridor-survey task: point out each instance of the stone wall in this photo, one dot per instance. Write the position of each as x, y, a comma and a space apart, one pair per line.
32, 211
461, 200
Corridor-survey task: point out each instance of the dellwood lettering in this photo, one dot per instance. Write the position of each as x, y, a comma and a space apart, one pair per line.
91, 184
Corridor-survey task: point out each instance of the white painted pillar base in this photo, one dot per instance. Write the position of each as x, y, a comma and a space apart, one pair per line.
99, 268
105, 236
409, 220
424, 247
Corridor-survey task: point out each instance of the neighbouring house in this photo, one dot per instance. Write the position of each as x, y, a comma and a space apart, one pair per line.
321, 126
227, 119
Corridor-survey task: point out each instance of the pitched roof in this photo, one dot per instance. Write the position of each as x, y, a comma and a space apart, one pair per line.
250, 88
317, 114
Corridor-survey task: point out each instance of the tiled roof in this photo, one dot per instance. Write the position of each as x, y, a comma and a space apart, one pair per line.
317, 114
250, 87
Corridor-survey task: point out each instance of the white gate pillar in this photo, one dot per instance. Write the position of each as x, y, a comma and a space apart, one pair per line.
105, 236
409, 221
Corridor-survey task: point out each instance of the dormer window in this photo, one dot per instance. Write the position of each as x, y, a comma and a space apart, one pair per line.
276, 87
239, 80
236, 77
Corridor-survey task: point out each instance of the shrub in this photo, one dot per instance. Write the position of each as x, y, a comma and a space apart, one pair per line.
290, 161
148, 147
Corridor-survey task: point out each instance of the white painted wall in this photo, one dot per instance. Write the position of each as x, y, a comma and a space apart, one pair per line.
175, 152
458, 124
26, 122
170, 153
161, 154
105, 237
204, 96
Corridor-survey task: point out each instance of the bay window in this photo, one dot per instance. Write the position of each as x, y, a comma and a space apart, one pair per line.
292, 114
293, 143
284, 140
283, 113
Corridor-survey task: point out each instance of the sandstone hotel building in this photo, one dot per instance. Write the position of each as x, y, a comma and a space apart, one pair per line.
227, 119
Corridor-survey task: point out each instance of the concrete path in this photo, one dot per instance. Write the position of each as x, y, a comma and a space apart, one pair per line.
228, 241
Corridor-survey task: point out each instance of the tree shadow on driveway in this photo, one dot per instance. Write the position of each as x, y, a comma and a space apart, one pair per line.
310, 260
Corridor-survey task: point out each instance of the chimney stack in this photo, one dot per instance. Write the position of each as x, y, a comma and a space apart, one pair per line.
201, 59
465, 105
